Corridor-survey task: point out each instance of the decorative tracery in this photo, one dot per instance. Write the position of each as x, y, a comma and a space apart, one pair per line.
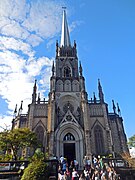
40, 133
67, 107
69, 137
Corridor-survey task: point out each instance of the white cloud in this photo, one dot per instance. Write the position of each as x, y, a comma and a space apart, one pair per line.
11, 43
34, 67
34, 40
5, 122
12, 60
44, 18
14, 9
30, 21
14, 29
74, 25
24, 25
17, 74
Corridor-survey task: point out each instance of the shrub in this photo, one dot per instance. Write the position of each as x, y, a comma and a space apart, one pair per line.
37, 170
129, 159
6, 157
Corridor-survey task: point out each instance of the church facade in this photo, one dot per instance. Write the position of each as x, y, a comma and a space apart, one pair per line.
69, 124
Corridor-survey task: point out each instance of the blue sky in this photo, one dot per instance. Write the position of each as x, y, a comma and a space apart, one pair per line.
105, 35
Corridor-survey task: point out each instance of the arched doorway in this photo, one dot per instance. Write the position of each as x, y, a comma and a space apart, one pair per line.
70, 142
69, 147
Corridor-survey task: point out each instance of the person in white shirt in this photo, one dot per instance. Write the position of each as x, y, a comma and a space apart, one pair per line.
86, 173
60, 176
75, 174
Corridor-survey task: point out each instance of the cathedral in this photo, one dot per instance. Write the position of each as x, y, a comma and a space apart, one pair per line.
68, 123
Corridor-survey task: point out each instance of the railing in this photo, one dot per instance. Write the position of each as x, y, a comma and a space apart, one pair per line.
41, 102
94, 102
14, 169
114, 162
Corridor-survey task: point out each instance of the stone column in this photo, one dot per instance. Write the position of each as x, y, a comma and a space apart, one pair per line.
86, 129
51, 119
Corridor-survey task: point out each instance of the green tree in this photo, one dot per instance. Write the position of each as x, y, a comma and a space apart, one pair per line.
131, 141
37, 169
17, 139
126, 156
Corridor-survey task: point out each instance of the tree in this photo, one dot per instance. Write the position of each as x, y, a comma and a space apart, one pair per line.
17, 139
126, 156
37, 169
131, 141
129, 159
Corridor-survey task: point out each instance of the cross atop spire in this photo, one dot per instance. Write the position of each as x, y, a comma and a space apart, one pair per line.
65, 39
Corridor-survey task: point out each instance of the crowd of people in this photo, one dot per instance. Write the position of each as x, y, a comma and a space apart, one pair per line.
93, 170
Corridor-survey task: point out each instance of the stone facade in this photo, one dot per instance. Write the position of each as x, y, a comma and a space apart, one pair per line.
68, 123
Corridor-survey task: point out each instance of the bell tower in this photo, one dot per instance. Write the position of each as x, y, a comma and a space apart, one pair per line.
67, 99
66, 75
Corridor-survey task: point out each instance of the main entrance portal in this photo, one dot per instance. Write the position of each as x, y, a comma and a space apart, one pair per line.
70, 142
69, 151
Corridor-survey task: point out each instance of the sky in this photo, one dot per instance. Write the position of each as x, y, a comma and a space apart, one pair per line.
105, 35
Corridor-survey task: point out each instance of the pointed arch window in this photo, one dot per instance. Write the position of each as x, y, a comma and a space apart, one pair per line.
40, 134
75, 85
69, 137
67, 85
67, 71
59, 85
99, 142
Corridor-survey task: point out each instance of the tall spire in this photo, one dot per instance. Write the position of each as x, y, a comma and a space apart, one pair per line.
101, 94
65, 39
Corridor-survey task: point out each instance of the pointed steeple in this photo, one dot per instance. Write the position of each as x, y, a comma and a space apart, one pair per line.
118, 109
101, 94
38, 98
65, 39
15, 111
114, 107
80, 69
34, 95
95, 99
21, 108
53, 69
